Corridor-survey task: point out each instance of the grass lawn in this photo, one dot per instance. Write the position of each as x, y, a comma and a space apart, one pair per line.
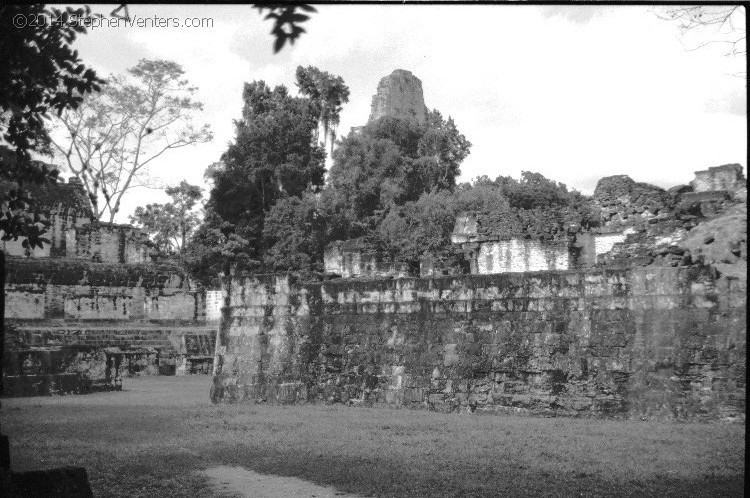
149, 440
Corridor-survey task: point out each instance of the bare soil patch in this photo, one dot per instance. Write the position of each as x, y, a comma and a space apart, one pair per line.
248, 484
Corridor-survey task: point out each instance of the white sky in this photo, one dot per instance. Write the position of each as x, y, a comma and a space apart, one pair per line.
573, 92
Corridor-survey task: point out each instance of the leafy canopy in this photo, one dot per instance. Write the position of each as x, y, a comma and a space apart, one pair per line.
295, 234
393, 161
274, 156
286, 22
327, 93
170, 225
533, 204
113, 138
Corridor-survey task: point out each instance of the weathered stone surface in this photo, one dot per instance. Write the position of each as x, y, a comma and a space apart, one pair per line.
67, 482
727, 177
654, 342
74, 289
626, 224
646, 226
624, 202
399, 95
93, 288
67, 312
67, 208
352, 259
521, 240
721, 241
519, 255
73, 232
704, 218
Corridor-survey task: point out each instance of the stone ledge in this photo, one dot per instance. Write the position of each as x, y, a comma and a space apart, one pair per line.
711, 195
68, 482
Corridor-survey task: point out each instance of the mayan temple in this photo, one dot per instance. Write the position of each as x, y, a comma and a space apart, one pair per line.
399, 95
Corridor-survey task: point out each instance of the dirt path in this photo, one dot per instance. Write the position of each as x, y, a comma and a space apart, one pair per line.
246, 483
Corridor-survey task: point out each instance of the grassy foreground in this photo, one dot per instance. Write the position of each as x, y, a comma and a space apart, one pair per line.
149, 440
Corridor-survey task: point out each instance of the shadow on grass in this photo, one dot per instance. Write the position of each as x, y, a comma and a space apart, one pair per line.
394, 477
152, 438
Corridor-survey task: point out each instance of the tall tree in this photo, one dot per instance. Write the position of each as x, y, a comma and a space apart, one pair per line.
394, 161
112, 139
326, 92
170, 225
445, 148
273, 156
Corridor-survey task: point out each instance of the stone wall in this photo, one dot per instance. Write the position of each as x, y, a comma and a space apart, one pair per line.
524, 240
605, 242
657, 343
15, 248
214, 302
519, 255
66, 206
73, 231
81, 290
137, 316
109, 243
727, 177
350, 260
61, 234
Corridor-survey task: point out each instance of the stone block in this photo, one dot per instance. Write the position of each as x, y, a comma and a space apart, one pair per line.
68, 482
451, 356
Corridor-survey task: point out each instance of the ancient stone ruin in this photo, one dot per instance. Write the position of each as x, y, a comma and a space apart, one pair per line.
93, 306
631, 317
728, 177
399, 95
632, 306
352, 258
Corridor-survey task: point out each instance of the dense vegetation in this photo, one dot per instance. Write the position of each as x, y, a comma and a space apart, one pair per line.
392, 185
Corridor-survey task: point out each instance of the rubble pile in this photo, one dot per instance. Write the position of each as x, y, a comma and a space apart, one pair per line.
664, 227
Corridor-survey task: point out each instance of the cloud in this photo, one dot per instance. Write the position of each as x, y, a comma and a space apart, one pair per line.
567, 91
733, 102
577, 14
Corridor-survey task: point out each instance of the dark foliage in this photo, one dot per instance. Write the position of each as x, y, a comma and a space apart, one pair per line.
39, 73
533, 206
295, 234
327, 93
286, 22
170, 225
392, 162
273, 157
217, 248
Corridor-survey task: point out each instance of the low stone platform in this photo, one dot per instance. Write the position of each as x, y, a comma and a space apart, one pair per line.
45, 385
63, 482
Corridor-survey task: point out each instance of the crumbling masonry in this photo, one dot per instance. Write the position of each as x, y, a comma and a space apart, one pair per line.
92, 306
649, 323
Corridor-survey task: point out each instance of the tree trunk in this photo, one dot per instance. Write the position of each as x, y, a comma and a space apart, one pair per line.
2, 317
